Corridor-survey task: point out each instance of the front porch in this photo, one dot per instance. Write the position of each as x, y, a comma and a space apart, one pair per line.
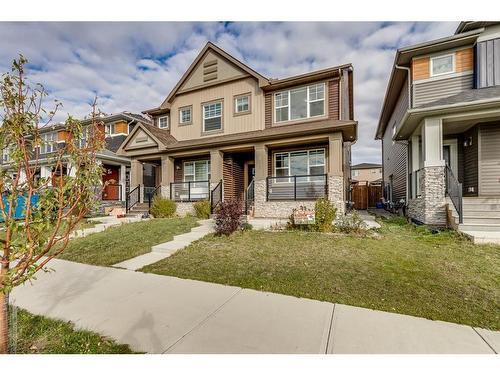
454, 172
269, 178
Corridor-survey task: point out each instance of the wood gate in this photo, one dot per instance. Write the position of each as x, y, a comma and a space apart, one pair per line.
365, 196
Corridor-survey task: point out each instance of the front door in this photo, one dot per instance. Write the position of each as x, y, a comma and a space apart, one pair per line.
110, 179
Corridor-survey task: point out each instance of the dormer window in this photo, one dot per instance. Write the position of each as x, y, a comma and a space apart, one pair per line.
163, 122
110, 129
441, 65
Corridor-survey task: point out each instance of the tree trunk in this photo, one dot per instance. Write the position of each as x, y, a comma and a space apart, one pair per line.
4, 323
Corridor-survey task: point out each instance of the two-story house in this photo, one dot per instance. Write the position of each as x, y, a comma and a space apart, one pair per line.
366, 173
440, 130
116, 168
227, 132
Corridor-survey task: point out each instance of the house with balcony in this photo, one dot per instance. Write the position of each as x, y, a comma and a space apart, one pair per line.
440, 131
227, 132
116, 176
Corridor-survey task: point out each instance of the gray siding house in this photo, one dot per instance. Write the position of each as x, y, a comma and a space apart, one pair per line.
440, 131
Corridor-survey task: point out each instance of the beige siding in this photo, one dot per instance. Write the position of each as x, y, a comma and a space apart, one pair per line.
226, 92
489, 164
395, 154
367, 175
429, 91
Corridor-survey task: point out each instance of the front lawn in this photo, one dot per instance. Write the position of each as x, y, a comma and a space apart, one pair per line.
405, 269
125, 241
39, 335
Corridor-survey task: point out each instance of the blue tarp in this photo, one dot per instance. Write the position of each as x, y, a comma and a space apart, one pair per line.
20, 206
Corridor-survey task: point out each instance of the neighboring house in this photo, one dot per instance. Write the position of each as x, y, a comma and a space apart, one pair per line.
366, 173
227, 132
116, 168
440, 128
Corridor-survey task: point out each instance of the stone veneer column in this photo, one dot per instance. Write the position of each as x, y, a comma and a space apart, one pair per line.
260, 184
335, 172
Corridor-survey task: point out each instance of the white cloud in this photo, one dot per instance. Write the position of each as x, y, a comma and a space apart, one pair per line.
133, 66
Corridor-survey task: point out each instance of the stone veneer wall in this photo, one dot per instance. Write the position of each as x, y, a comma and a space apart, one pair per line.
183, 208
283, 209
430, 207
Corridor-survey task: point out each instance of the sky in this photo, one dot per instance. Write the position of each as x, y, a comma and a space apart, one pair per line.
132, 66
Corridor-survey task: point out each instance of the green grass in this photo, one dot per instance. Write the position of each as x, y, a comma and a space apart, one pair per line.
39, 335
404, 269
126, 241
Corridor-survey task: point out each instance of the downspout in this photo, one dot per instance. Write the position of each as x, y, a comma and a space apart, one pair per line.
408, 74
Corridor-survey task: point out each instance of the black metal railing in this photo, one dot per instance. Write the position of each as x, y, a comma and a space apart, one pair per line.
454, 191
414, 185
190, 191
151, 194
216, 196
249, 197
297, 188
112, 192
132, 198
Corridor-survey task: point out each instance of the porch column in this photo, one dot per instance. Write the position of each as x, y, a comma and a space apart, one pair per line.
261, 154
136, 176
216, 167
167, 174
123, 181
415, 165
336, 188
432, 141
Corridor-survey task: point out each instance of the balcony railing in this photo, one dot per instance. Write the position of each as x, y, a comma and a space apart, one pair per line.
454, 191
297, 188
190, 191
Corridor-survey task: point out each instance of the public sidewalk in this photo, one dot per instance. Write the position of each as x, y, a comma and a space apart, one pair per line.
161, 314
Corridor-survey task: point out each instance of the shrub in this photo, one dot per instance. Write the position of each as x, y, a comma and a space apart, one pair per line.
324, 214
246, 226
202, 209
352, 223
162, 207
227, 217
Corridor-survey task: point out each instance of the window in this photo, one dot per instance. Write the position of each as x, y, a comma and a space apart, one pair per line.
109, 129
242, 104
442, 65
48, 143
303, 163
163, 122
185, 115
355, 173
300, 103
5, 155
212, 116
198, 170
82, 142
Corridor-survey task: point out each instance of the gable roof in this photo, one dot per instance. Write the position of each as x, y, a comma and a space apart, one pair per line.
212, 47
161, 137
366, 166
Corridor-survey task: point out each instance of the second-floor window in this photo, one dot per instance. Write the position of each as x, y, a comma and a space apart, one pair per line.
163, 122
5, 155
442, 65
185, 115
242, 104
110, 129
212, 116
82, 142
300, 103
48, 143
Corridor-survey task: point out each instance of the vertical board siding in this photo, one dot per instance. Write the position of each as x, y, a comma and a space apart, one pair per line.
234, 178
427, 92
396, 154
333, 99
490, 159
464, 60
420, 68
488, 63
470, 163
268, 102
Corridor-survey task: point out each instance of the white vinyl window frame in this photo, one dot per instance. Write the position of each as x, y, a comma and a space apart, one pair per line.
242, 104
185, 115
165, 124
287, 94
309, 165
431, 65
193, 163
215, 110
49, 141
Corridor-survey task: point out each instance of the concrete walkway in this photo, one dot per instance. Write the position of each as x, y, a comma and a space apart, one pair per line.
164, 250
369, 219
160, 314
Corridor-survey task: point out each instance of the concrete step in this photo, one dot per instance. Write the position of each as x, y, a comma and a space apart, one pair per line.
481, 219
483, 237
468, 206
480, 227
477, 213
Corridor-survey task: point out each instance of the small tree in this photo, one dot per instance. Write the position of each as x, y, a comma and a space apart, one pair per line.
62, 200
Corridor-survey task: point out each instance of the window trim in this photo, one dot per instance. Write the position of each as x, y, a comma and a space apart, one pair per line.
159, 122
453, 64
235, 104
46, 143
308, 117
217, 101
206, 161
190, 107
289, 163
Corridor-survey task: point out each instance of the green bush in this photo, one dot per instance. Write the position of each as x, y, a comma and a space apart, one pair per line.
202, 209
324, 214
162, 207
351, 223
